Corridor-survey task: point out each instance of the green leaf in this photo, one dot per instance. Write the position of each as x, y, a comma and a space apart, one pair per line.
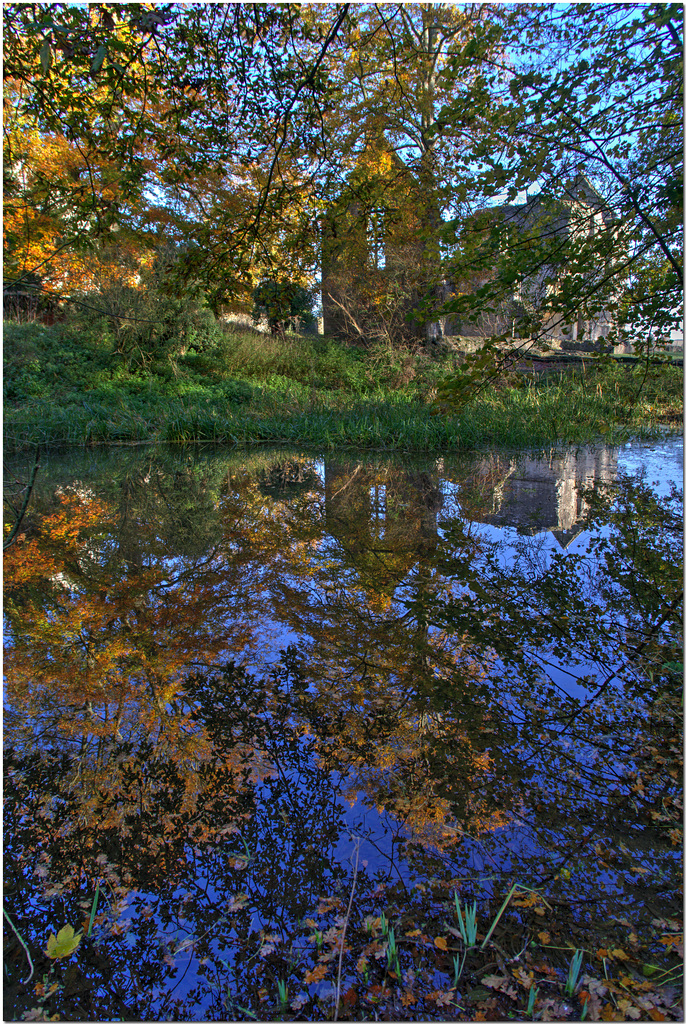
98, 59
63, 944
45, 54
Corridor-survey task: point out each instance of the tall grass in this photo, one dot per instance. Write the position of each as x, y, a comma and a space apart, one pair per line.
257, 389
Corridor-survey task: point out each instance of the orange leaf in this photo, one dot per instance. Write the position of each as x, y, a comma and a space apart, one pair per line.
441, 943
544, 937
655, 1014
440, 998
316, 974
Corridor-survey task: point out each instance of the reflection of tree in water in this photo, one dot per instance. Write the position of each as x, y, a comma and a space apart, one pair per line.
83, 612
387, 510
285, 479
413, 685
180, 503
222, 823
374, 663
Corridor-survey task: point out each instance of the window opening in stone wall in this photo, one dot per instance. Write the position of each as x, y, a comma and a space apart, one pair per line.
375, 239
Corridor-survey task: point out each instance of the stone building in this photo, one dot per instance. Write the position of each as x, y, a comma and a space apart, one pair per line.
541, 229
381, 262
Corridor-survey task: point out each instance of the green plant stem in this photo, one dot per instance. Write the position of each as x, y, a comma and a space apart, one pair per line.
93, 910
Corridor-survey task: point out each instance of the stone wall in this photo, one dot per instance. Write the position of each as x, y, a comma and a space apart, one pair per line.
245, 322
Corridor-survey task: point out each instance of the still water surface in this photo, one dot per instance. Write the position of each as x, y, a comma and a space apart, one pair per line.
231, 678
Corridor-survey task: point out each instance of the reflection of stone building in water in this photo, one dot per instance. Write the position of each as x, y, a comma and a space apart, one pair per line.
395, 510
544, 494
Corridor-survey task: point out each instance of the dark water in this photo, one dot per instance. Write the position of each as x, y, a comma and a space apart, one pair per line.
234, 681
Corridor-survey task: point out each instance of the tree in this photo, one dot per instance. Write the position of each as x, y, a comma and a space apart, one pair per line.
395, 159
51, 189
73, 170
170, 96
611, 112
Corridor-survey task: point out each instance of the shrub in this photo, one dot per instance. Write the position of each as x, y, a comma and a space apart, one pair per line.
148, 323
284, 303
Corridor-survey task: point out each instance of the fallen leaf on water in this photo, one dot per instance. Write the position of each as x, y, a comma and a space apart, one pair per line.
316, 974
64, 943
501, 984
633, 983
440, 998
628, 1010
549, 1009
676, 942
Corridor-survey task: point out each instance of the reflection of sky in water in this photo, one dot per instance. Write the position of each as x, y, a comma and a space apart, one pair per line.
662, 461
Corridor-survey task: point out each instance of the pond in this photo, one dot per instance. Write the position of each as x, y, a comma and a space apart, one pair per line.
277, 724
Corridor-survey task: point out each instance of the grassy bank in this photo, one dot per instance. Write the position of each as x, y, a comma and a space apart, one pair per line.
64, 385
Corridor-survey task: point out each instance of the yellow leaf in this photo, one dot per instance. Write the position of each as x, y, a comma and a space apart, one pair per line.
441, 943
64, 943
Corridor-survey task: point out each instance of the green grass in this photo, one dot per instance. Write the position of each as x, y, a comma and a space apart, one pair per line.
63, 385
